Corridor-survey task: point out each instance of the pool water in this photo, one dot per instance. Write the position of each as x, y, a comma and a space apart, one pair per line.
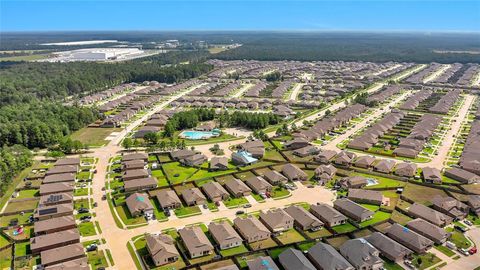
371, 182
198, 135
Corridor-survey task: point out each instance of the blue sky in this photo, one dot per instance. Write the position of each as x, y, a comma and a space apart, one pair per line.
376, 15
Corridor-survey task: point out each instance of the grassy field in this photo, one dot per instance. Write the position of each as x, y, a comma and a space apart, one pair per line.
421, 194
93, 136
215, 50
31, 57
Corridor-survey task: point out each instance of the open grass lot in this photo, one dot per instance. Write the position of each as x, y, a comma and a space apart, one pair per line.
234, 251
318, 234
425, 261
422, 194
289, 237
204, 173
379, 216
267, 243
127, 218
31, 57
28, 193
383, 182
86, 229
344, 228
93, 136
97, 259
188, 211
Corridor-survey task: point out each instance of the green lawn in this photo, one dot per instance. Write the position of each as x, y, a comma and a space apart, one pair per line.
80, 191
161, 179
445, 250
370, 207
279, 192
97, 259
6, 258
458, 238
264, 244
289, 237
188, 211
383, 182
28, 193
22, 219
233, 202
344, 228
15, 206
379, 216
86, 229
425, 260
84, 175
318, 234
22, 249
306, 246
233, 251
81, 203
127, 218
176, 173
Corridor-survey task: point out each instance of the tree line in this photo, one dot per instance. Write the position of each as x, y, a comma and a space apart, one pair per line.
12, 161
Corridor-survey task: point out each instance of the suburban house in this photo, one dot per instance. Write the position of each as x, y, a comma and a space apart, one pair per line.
308, 150
133, 165
450, 206
52, 225
384, 166
368, 196
262, 263
161, 248
328, 215
224, 235
277, 220
251, 229
53, 211
421, 211
193, 196
56, 198
139, 204
326, 257
293, 173
364, 162
61, 177
325, 156
304, 220
181, 154
432, 175
62, 169
463, 176
406, 169
274, 177
361, 254
140, 184
324, 173
243, 158
135, 174
409, 238
168, 199
67, 161
207, 126
135, 156
296, 143
62, 254
429, 230
256, 148
259, 185
474, 203
293, 259
194, 160
215, 192
61, 187
344, 158
355, 181
218, 164
237, 188
54, 240
389, 248
353, 210
195, 241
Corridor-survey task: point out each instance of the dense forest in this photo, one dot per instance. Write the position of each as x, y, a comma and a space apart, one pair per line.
12, 160
31, 94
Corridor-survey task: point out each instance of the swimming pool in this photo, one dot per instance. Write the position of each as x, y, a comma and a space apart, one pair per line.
198, 135
371, 182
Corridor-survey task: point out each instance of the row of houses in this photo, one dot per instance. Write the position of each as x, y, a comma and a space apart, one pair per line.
135, 175
446, 102
56, 237
413, 101
420, 76
385, 93
330, 122
470, 159
419, 135
90, 99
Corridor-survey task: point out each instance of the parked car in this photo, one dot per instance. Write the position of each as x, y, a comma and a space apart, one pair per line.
247, 205
463, 251
450, 245
85, 217
104, 197
473, 250
83, 210
460, 228
409, 264
468, 222
91, 247
239, 212
205, 206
